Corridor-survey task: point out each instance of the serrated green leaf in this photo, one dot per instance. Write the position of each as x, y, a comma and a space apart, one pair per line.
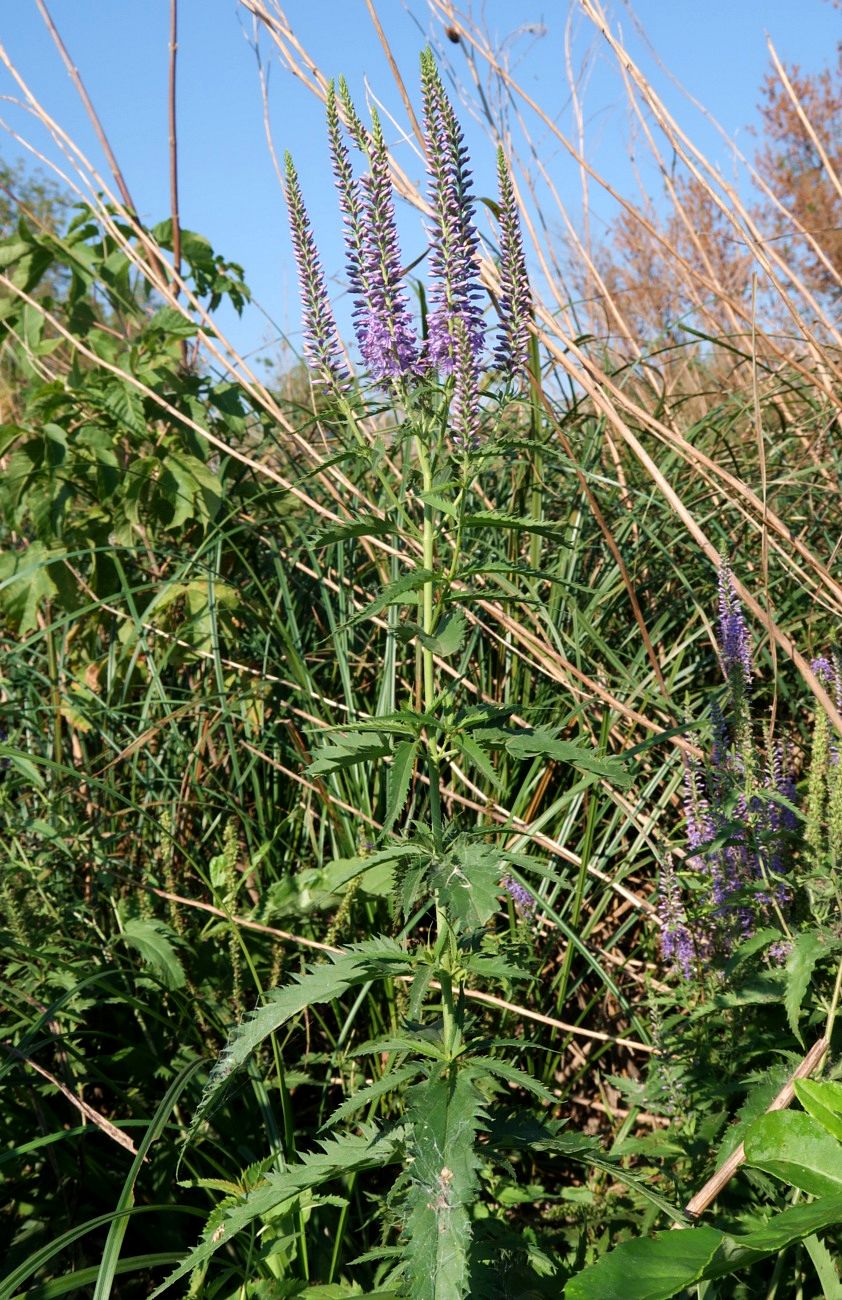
493, 519
447, 640
795, 1148
439, 502
375, 869
467, 880
357, 965
581, 1148
444, 1116
154, 941
477, 755
826, 1267
373, 1092
170, 321
347, 749
348, 1154
363, 526
511, 1074
25, 581
823, 1100
124, 403
400, 775
541, 743
800, 964
392, 594
414, 1044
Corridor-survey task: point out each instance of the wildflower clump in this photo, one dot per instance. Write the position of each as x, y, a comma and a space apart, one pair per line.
740, 819
391, 351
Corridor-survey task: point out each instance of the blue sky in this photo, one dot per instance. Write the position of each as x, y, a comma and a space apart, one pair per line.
229, 192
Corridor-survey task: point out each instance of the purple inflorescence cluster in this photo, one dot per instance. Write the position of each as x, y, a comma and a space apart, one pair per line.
464, 411
455, 290
388, 344
383, 325
321, 338
739, 816
515, 305
521, 896
830, 675
351, 207
734, 640
677, 943
382, 320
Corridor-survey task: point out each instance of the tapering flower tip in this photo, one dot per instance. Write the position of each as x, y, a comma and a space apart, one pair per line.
783, 783
515, 303
455, 289
521, 896
734, 641
677, 944
355, 123
351, 207
697, 814
829, 673
464, 408
321, 337
388, 343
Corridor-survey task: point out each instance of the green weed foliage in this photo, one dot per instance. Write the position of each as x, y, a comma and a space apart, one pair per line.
340, 764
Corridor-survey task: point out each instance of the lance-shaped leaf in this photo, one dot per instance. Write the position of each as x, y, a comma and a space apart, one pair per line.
357, 965
344, 1155
541, 743
445, 1115
823, 1100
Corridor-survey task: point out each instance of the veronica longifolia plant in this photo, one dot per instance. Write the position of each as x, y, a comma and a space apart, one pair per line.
740, 809
450, 880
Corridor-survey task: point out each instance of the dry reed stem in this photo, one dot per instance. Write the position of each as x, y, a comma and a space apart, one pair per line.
708, 1194
110, 1130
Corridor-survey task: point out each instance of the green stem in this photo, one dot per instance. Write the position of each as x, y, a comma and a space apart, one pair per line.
834, 1004
444, 938
428, 624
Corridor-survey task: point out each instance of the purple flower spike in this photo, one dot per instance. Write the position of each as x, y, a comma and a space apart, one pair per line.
522, 898
351, 206
389, 345
676, 940
455, 285
321, 338
464, 410
734, 641
515, 305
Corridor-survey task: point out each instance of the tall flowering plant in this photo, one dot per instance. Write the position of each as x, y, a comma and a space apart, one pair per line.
450, 880
760, 864
741, 820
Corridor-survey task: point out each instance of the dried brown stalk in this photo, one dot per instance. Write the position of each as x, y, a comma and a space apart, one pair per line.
714, 1185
